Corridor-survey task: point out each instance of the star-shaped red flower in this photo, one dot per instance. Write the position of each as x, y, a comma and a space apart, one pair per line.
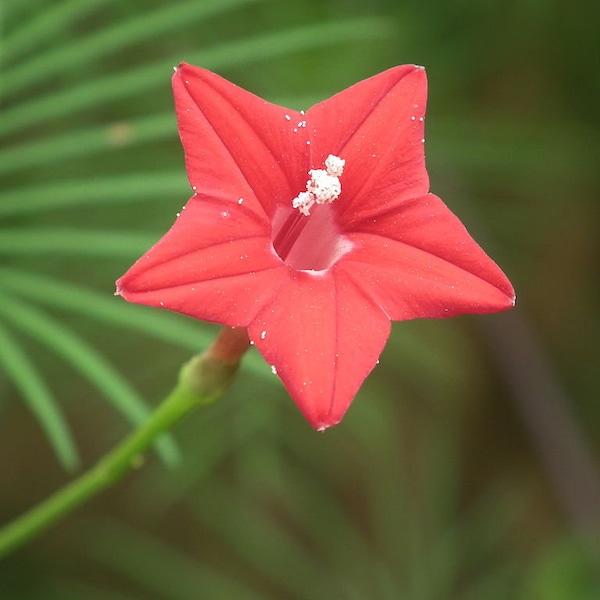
313, 230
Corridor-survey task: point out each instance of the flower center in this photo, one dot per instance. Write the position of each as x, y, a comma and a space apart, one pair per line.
312, 241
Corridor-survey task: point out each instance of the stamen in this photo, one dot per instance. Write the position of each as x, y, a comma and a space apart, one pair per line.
335, 165
303, 201
323, 187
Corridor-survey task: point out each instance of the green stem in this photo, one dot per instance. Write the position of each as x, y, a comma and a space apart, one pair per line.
202, 380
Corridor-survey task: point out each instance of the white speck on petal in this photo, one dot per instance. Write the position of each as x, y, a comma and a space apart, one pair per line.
263, 335
274, 369
288, 118
241, 201
225, 214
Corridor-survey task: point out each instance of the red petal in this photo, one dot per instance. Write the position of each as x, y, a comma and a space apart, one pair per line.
377, 126
236, 144
324, 336
420, 261
216, 264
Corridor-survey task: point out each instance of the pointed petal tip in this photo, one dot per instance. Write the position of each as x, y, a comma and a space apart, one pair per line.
503, 304
511, 296
420, 68
121, 289
322, 423
321, 427
177, 69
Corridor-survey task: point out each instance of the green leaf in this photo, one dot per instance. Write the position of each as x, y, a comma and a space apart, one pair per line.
79, 242
112, 39
47, 24
162, 325
266, 544
84, 358
68, 589
132, 82
157, 567
74, 298
87, 142
39, 398
133, 187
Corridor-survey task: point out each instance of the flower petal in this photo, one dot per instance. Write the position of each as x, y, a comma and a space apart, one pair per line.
237, 144
216, 263
323, 335
420, 261
377, 127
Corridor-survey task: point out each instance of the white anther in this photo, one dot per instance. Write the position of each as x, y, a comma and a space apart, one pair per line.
323, 187
335, 165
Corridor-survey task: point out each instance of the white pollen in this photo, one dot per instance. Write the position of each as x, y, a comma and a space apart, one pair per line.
302, 124
323, 187
302, 112
251, 342
413, 118
225, 213
194, 188
263, 335
334, 165
274, 369
303, 202
288, 118
241, 201
308, 142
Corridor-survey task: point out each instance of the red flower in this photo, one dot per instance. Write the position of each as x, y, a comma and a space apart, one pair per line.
313, 231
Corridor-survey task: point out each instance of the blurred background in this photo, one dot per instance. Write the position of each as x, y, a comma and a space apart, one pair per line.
467, 467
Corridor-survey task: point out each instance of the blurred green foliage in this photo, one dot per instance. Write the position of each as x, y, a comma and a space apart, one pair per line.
433, 487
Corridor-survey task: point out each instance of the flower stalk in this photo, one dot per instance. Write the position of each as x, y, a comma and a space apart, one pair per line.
203, 380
